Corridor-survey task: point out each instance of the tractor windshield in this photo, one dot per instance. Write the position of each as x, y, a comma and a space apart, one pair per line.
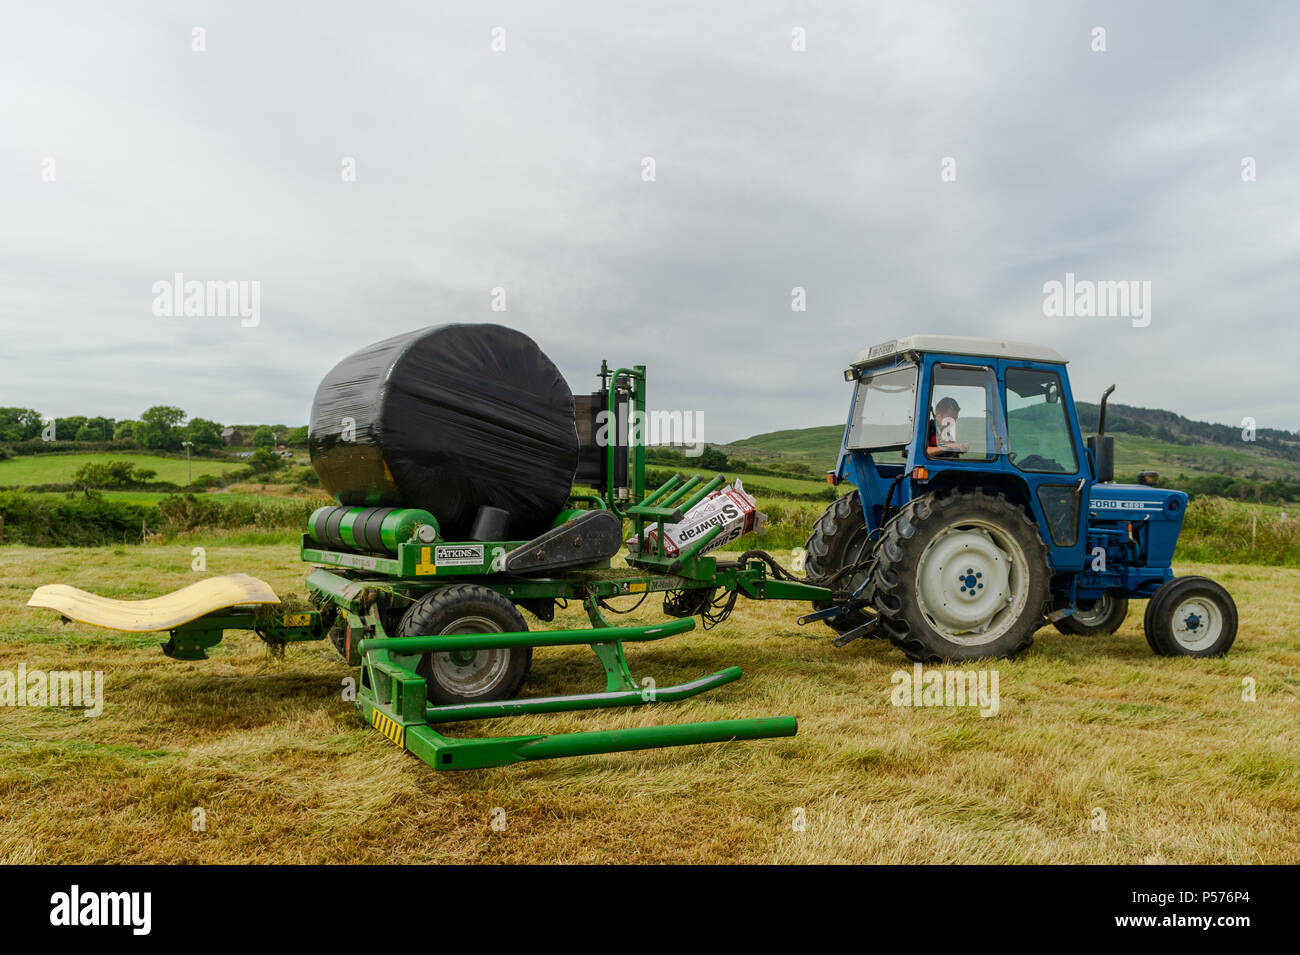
1038, 422
884, 409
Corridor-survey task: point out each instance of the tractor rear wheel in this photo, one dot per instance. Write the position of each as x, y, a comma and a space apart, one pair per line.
468, 676
1103, 616
961, 574
839, 539
1191, 617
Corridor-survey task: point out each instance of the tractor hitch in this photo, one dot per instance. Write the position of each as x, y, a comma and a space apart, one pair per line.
857, 633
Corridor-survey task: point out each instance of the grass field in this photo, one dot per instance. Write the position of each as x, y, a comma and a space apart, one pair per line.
791, 484
153, 497
27, 470
1184, 769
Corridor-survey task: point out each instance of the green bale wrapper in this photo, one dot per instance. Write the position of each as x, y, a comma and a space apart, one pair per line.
369, 529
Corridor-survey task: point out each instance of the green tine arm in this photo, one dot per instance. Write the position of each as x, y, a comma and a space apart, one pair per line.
652, 737
443, 753
537, 638
695, 548
702, 493
663, 489
580, 701
680, 492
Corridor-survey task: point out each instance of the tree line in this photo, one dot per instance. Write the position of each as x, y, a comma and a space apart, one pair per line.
160, 428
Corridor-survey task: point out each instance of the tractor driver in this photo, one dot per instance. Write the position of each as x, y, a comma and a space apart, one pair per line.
941, 441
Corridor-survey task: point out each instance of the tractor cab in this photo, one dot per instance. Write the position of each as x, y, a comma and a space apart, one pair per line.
932, 412
980, 509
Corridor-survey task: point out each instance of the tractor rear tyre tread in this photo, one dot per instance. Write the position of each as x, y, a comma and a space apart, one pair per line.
438, 612
826, 553
895, 588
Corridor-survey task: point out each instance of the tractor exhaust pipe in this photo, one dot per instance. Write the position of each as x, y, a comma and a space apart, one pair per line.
1102, 445
1101, 417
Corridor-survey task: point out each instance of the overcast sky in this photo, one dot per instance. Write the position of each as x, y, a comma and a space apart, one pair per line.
523, 169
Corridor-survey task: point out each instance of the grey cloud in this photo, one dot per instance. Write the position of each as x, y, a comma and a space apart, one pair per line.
522, 169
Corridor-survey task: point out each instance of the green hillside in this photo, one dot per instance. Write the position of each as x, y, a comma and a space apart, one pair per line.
58, 468
814, 445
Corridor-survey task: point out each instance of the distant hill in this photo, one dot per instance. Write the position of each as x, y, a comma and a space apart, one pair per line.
1145, 439
813, 444
1175, 429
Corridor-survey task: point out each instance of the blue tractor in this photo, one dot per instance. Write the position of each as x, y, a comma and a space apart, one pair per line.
980, 514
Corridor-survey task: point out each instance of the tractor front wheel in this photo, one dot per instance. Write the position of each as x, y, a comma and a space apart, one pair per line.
961, 574
1103, 616
468, 676
1191, 617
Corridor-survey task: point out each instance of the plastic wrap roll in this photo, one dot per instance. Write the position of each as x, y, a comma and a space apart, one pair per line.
374, 529
446, 420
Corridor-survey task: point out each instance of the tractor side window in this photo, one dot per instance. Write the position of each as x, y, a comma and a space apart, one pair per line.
1038, 425
960, 423
884, 409
1060, 504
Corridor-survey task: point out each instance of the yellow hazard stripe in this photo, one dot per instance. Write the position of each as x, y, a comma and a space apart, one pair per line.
390, 728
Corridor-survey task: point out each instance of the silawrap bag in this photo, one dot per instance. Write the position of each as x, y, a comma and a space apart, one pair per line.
732, 508
448, 419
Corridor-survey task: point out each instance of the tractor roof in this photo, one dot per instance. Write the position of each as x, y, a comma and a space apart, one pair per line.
957, 345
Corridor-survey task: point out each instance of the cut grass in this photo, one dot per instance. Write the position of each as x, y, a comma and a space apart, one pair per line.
285, 771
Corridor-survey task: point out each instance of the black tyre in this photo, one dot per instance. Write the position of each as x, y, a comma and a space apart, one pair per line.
961, 574
468, 676
1148, 619
1102, 616
1191, 617
839, 539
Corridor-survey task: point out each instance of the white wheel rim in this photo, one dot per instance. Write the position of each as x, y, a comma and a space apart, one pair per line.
1197, 623
1096, 614
972, 582
473, 672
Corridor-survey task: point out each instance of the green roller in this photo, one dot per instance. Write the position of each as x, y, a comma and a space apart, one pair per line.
372, 529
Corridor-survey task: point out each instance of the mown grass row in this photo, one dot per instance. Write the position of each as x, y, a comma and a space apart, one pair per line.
1185, 769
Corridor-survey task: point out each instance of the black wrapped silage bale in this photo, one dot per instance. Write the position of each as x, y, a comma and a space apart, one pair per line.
449, 419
